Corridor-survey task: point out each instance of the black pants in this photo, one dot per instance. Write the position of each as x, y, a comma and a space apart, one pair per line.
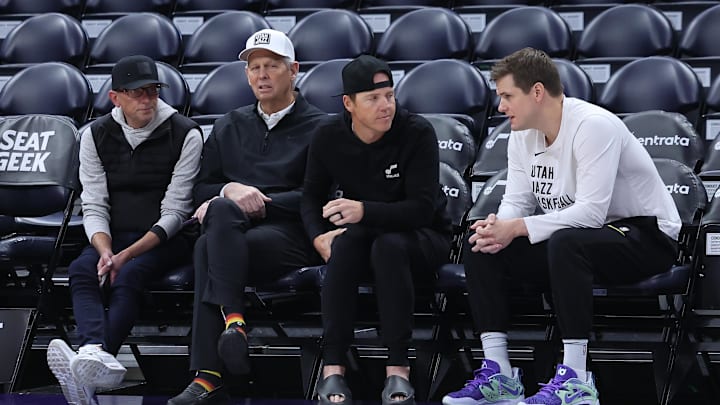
567, 265
110, 326
395, 259
231, 253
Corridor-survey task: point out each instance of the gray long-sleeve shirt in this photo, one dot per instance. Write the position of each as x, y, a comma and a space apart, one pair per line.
175, 206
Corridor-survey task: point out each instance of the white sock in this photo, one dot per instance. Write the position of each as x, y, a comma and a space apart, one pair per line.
575, 356
495, 348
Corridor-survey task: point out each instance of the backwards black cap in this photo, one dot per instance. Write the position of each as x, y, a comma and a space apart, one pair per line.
358, 74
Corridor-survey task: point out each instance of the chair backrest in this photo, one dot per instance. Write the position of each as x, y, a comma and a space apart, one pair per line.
38, 164
382, 3
331, 34
275, 4
517, 28
51, 37
492, 153
55, 88
148, 34
177, 94
653, 83
446, 86
222, 37
456, 144
685, 187
69, 7
225, 88
489, 198
322, 83
667, 135
457, 191
128, 6
627, 30
576, 82
191, 5
700, 37
426, 34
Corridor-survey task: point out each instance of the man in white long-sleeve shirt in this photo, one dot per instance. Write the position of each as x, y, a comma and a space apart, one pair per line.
137, 168
606, 217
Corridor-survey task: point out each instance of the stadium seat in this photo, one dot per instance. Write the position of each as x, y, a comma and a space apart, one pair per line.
517, 28
322, 84
698, 47
225, 88
93, 7
711, 116
284, 14
380, 14
98, 14
221, 38
579, 13
425, 34
331, 34
576, 82
681, 13
24, 7
456, 143
654, 83
39, 178
50, 37
148, 34
628, 30
257, 6
55, 88
491, 157
177, 94
620, 35
667, 135
462, 90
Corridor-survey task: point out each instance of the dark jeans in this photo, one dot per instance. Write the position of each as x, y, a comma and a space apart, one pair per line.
394, 260
232, 252
567, 265
110, 327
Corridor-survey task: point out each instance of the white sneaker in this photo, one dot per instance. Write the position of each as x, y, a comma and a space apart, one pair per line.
95, 367
59, 356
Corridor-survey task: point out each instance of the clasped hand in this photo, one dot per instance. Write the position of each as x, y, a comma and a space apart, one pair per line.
492, 234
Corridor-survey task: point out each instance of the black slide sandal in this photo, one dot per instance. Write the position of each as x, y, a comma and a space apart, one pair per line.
396, 386
334, 385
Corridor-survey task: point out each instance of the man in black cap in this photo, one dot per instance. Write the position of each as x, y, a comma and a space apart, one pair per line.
386, 222
249, 190
138, 164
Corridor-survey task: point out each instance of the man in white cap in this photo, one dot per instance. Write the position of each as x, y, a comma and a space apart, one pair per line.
137, 167
248, 192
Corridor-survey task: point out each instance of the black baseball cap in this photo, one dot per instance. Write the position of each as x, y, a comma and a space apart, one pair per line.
133, 72
358, 74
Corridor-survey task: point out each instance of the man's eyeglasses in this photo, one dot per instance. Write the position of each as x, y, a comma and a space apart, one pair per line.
151, 91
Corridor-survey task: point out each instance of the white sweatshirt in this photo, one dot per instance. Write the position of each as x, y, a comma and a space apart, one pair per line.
594, 172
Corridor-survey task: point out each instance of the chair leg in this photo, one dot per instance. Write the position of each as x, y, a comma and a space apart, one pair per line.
310, 367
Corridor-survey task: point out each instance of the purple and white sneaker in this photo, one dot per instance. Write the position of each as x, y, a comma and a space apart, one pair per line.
489, 386
566, 389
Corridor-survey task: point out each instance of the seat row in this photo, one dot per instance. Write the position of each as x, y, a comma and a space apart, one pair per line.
421, 33
446, 86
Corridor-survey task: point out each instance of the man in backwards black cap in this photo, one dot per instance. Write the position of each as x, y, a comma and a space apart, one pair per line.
387, 220
137, 168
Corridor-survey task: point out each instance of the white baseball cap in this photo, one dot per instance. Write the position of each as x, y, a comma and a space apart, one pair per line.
272, 40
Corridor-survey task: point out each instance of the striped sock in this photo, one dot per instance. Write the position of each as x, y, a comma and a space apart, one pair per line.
234, 319
208, 379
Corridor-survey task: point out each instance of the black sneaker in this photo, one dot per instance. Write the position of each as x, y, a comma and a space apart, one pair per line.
233, 350
195, 394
